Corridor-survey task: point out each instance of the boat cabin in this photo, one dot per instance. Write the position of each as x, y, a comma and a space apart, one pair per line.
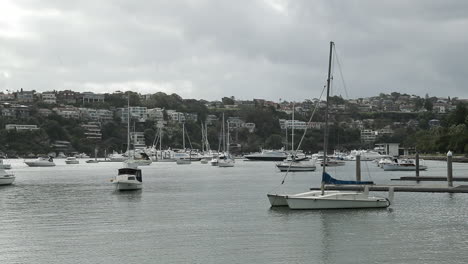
130, 171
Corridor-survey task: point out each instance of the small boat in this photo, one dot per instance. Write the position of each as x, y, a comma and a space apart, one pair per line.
41, 162
92, 161
128, 178
4, 166
72, 160
332, 162
403, 165
6, 178
268, 155
296, 166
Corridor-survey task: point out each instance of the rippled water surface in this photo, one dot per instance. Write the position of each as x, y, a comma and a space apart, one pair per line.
202, 214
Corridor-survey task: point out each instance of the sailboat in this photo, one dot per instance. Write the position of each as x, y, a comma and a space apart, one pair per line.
330, 199
182, 158
129, 177
292, 164
226, 160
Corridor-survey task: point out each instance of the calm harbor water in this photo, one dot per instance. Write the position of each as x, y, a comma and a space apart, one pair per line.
202, 214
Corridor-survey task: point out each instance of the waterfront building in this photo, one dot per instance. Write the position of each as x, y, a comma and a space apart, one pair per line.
92, 130
49, 97
21, 127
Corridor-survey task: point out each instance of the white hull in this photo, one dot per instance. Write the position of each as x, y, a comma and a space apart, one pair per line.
128, 186
336, 200
395, 167
39, 164
280, 199
7, 180
225, 164
295, 167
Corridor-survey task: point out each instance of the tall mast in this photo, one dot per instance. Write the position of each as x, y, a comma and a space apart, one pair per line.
183, 135
325, 137
128, 124
224, 137
227, 139
292, 131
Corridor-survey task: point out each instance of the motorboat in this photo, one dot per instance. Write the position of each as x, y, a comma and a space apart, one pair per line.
141, 160
82, 156
4, 166
92, 161
403, 165
41, 162
117, 157
296, 166
128, 178
226, 161
71, 160
365, 155
6, 178
268, 155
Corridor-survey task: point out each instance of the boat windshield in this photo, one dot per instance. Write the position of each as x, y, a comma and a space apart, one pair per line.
127, 171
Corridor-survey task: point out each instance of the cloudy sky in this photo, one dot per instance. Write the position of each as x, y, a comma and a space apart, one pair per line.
207, 49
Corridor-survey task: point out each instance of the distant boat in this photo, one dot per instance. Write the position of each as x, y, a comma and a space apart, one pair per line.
41, 162
72, 160
268, 155
403, 165
128, 178
6, 178
227, 160
296, 166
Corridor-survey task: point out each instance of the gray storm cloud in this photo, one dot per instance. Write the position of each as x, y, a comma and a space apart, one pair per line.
208, 49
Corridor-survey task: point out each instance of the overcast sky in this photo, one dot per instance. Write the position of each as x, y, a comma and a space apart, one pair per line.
207, 49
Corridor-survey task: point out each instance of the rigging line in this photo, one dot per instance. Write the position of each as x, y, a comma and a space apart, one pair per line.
190, 142
305, 132
341, 73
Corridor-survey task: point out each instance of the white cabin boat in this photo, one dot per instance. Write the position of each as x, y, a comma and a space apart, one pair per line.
6, 178
296, 166
403, 165
72, 160
128, 178
41, 162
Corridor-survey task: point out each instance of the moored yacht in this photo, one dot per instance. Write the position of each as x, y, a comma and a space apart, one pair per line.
128, 178
268, 155
72, 160
296, 166
41, 162
6, 178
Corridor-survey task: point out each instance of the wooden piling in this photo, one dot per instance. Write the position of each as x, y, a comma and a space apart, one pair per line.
417, 164
358, 167
449, 169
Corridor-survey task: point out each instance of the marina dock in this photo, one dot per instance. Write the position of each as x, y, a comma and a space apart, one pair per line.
429, 178
397, 188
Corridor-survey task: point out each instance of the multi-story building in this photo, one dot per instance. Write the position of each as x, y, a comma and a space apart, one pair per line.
137, 114
156, 114
6, 97
67, 97
368, 135
68, 112
89, 97
25, 96
92, 130
49, 97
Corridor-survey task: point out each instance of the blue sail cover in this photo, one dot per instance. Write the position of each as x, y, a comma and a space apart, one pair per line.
327, 179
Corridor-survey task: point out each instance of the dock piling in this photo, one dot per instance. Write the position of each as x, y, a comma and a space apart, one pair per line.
449, 169
358, 167
417, 164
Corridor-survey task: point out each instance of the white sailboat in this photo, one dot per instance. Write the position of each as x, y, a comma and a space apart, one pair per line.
291, 164
184, 158
129, 177
41, 162
227, 160
330, 199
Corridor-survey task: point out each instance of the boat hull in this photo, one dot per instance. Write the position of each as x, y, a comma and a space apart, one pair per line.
225, 164
72, 162
5, 166
7, 180
392, 167
39, 164
296, 168
125, 186
336, 201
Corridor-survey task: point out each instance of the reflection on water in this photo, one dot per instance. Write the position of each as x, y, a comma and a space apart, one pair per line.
201, 214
